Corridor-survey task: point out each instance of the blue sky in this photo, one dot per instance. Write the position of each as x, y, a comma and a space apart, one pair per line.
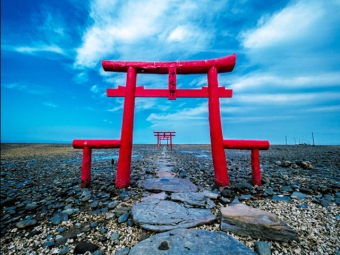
286, 82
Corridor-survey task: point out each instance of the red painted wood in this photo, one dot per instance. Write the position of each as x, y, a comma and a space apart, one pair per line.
86, 167
216, 136
188, 93
172, 83
99, 144
254, 146
255, 165
125, 152
246, 144
224, 64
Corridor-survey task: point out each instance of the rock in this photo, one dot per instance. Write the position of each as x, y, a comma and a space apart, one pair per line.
124, 217
306, 190
170, 185
190, 242
325, 202
243, 187
64, 251
304, 164
114, 236
286, 189
247, 221
191, 198
112, 204
26, 223
246, 197
124, 251
298, 195
281, 198
227, 193
162, 215
269, 191
161, 195
83, 247
262, 248
58, 218
48, 244
31, 206
286, 163
302, 206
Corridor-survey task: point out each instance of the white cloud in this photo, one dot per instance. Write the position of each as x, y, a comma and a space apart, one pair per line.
287, 99
187, 114
298, 39
151, 30
292, 23
269, 80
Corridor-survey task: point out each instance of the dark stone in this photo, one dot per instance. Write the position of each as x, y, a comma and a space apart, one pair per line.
26, 223
190, 242
58, 218
243, 187
48, 244
164, 246
281, 198
227, 193
262, 248
83, 247
269, 191
286, 189
124, 217
124, 251
306, 190
34, 233
64, 251
325, 202
298, 195
302, 206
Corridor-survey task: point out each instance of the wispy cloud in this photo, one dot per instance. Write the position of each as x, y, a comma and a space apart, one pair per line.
27, 88
50, 104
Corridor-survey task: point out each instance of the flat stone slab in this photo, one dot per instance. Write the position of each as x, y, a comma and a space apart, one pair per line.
169, 184
190, 242
161, 195
163, 215
193, 198
244, 220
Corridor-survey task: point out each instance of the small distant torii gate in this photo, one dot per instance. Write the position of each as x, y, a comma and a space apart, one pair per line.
213, 92
164, 135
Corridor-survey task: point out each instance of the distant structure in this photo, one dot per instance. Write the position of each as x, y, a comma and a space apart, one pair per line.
164, 135
130, 91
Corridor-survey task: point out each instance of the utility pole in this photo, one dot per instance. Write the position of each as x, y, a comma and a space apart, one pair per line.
286, 140
294, 141
313, 138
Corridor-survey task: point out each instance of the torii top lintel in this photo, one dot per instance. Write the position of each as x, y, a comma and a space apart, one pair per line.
224, 64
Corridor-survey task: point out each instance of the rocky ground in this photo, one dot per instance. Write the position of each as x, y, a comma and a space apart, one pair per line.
44, 210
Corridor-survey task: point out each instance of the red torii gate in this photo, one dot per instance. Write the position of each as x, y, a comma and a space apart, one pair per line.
211, 67
164, 135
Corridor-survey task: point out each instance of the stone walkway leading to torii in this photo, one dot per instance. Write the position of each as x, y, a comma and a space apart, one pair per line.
174, 205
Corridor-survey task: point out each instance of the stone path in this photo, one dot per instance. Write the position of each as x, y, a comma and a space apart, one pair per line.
176, 205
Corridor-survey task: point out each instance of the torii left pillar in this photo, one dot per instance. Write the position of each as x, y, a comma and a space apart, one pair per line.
125, 152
